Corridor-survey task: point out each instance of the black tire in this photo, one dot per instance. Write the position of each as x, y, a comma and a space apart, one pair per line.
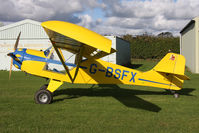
43, 97
44, 87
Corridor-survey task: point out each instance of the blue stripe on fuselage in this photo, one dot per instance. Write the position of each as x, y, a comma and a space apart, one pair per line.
42, 59
155, 82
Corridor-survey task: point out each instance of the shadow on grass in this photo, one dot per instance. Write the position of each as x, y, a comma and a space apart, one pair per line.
186, 91
126, 96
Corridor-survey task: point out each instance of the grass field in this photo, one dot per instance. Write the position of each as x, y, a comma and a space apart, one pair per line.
98, 109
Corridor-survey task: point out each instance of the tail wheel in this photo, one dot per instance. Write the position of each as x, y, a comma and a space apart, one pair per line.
43, 97
176, 95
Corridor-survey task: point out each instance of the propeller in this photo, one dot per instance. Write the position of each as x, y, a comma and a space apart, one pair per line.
15, 47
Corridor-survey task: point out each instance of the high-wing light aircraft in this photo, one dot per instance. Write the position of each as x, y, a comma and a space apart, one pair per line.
88, 68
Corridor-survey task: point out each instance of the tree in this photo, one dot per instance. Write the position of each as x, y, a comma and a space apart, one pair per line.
165, 34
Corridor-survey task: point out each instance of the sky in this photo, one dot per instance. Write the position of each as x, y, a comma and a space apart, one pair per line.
110, 17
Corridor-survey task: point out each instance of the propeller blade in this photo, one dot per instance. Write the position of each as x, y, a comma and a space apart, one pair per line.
10, 68
17, 41
15, 47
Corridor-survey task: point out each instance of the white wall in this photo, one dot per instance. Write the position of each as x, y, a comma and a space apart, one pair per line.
7, 46
188, 46
112, 57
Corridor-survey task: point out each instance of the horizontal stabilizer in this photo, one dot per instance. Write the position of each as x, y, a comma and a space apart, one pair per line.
183, 77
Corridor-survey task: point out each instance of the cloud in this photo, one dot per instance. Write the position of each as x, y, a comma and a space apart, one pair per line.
41, 10
86, 21
152, 16
120, 16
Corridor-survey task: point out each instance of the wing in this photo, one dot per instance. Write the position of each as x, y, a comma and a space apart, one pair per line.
71, 37
77, 40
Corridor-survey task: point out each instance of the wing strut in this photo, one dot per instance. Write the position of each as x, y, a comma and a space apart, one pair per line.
62, 60
78, 60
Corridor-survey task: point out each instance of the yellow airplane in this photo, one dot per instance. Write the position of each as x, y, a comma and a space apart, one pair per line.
88, 68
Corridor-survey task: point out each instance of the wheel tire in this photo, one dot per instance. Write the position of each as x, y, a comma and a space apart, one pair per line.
43, 97
176, 95
44, 87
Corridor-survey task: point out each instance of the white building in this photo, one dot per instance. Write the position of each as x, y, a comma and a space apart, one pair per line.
33, 36
189, 44
123, 54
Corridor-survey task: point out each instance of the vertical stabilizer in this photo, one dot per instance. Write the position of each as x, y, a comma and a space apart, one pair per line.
172, 64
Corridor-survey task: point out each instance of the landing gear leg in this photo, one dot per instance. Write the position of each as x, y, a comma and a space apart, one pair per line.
44, 87
45, 94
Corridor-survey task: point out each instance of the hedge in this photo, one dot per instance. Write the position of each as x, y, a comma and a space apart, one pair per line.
152, 47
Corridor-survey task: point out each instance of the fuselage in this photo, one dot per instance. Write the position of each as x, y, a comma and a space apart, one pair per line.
91, 71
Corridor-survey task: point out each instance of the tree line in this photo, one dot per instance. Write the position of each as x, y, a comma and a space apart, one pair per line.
147, 46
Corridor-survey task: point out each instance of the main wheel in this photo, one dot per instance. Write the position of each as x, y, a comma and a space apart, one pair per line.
43, 97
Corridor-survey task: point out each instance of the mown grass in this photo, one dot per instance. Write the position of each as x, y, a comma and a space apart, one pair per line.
99, 108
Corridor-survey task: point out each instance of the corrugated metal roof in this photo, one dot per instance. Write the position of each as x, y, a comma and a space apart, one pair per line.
28, 28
